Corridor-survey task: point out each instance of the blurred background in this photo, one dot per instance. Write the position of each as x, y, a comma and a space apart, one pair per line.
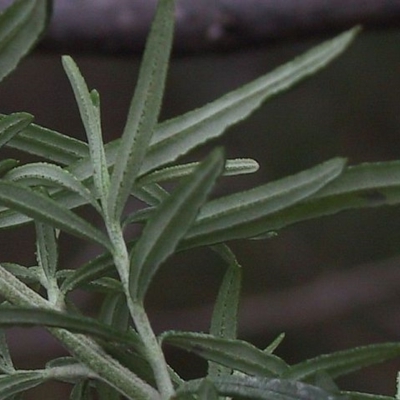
329, 284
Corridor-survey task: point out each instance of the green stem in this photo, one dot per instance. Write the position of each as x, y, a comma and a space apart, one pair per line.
152, 348
85, 349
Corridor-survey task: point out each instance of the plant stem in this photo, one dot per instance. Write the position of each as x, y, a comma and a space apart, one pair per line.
152, 348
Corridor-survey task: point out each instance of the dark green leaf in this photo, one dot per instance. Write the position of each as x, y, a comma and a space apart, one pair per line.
144, 109
234, 354
28, 317
246, 214
21, 24
344, 362
170, 222
41, 208
7, 164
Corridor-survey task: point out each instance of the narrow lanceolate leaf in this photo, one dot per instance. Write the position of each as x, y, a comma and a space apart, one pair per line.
12, 124
361, 186
19, 382
46, 250
235, 354
44, 174
21, 24
245, 214
89, 108
6, 364
43, 209
144, 109
170, 222
232, 167
250, 387
29, 317
225, 315
344, 362
179, 135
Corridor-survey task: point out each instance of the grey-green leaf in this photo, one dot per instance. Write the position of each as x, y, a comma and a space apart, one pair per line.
246, 214
89, 107
235, 354
6, 364
44, 174
12, 124
21, 25
42, 208
344, 362
170, 222
144, 109
46, 250
181, 134
19, 382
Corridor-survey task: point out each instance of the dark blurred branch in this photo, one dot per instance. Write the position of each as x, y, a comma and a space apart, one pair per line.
120, 26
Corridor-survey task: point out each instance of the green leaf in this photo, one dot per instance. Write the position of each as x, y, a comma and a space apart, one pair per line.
50, 145
44, 174
144, 109
44, 209
170, 222
344, 362
176, 137
11, 316
275, 343
46, 250
19, 382
7, 164
21, 25
232, 167
235, 354
225, 314
81, 391
263, 389
27, 275
364, 396
89, 107
361, 186
6, 364
246, 214
12, 124
114, 311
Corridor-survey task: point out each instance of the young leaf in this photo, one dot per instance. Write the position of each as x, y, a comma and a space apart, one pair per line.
176, 137
343, 362
235, 354
225, 314
257, 388
28, 317
46, 250
246, 214
44, 209
232, 167
19, 382
21, 24
44, 174
144, 109
89, 107
170, 222
12, 124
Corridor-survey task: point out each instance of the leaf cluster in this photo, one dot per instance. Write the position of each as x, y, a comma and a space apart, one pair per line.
117, 354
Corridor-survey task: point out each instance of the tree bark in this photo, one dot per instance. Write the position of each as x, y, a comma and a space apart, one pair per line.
121, 26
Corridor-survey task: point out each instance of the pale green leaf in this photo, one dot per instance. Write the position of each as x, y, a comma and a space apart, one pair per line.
258, 388
232, 167
21, 24
246, 214
144, 109
170, 222
12, 124
11, 316
89, 107
225, 315
344, 362
44, 174
235, 354
46, 250
19, 382
41, 208
181, 134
